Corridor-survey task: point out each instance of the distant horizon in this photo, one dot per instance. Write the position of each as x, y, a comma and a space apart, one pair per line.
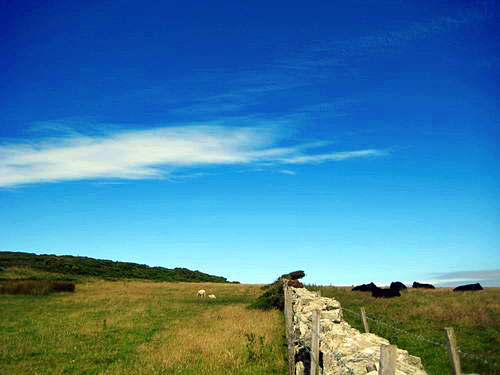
436, 282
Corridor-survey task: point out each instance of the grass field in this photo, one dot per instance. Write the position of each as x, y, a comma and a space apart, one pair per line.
111, 328
475, 317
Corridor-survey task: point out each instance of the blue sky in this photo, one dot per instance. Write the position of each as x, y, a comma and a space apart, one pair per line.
356, 140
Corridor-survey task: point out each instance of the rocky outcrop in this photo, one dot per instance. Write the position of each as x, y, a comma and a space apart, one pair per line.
342, 347
295, 283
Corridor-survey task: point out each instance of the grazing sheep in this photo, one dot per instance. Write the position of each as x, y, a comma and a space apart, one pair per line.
201, 293
212, 296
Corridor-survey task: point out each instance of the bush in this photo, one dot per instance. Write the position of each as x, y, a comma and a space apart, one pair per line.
273, 297
36, 287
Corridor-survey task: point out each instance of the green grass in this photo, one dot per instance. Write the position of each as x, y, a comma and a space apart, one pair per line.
111, 328
475, 317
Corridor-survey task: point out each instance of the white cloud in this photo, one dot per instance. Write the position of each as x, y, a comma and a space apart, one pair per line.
287, 171
321, 158
152, 153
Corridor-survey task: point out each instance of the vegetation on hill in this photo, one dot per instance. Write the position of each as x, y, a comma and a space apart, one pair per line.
75, 266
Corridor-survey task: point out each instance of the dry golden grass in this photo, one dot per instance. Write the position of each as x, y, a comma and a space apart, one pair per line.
215, 340
138, 327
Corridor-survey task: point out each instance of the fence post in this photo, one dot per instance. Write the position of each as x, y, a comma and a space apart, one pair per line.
387, 365
452, 351
365, 321
315, 342
289, 328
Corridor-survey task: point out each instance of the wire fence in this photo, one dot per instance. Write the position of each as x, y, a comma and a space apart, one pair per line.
343, 365
418, 337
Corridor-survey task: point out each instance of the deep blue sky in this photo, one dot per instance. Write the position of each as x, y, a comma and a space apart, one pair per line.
355, 140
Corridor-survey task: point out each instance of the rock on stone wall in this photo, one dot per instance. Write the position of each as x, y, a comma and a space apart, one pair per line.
358, 351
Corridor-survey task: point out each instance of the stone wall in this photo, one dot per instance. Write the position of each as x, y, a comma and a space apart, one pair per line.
343, 349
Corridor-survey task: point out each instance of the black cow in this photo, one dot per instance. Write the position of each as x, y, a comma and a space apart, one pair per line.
365, 287
426, 286
385, 293
398, 285
467, 287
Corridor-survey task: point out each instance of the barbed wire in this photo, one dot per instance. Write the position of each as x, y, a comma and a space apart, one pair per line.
399, 329
424, 339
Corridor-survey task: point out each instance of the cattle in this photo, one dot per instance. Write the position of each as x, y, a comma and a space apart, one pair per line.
425, 286
365, 288
212, 296
471, 287
398, 285
385, 293
201, 293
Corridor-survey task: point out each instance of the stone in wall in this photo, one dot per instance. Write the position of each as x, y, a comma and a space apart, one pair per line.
357, 351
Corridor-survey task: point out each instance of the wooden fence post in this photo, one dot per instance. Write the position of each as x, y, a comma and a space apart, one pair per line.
289, 328
365, 321
453, 351
315, 342
387, 365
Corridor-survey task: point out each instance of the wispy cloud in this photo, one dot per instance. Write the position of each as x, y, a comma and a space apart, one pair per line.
470, 275
485, 277
153, 153
321, 158
411, 32
339, 53
287, 171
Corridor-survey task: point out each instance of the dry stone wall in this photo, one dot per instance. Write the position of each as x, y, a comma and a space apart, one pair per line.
344, 350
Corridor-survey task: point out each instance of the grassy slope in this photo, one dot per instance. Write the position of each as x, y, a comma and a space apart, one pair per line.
113, 328
475, 316
75, 267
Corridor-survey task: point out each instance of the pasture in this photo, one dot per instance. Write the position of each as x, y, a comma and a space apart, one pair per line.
475, 317
136, 327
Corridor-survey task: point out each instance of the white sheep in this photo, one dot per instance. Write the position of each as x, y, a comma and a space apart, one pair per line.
201, 293
212, 296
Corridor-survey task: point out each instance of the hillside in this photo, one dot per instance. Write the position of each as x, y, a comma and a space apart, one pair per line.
82, 266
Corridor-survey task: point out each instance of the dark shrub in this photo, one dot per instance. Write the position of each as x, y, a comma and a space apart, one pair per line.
273, 297
35, 287
62, 286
